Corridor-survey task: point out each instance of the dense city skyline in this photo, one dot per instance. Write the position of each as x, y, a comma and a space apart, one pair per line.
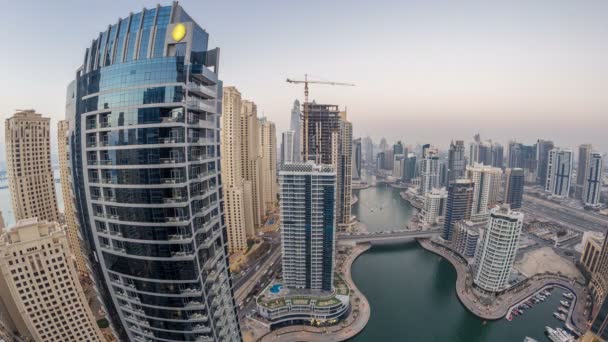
503, 70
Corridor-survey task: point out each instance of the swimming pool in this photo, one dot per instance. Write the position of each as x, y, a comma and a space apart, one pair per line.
276, 288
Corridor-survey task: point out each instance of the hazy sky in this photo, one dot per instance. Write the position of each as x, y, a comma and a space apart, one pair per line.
426, 71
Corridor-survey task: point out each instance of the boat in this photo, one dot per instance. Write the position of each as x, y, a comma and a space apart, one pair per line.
529, 339
568, 295
509, 317
563, 310
546, 293
559, 316
558, 335
565, 303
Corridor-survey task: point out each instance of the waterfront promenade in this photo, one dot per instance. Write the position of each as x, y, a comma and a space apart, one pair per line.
351, 326
499, 307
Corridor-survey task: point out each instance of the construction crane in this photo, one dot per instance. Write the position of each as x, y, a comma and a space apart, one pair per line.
306, 82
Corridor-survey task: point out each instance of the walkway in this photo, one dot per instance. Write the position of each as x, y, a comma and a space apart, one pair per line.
501, 305
351, 326
390, 235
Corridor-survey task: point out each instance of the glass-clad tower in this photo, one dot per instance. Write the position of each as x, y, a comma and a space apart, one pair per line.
144, 144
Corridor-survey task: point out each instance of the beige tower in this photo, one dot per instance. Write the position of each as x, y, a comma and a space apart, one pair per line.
251, 158
71, 222
39, 286
28, 155
237, 194
344, 163
486, 181
268, 147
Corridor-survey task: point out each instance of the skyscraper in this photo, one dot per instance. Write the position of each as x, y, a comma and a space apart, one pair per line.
435, 202
398, 148
40, 286
599, 279
498, 248
368, 150
514, 187
287, 147
238, 200
456, 161
71, 221
599, 327
357, 158
145, 156
459, 204
497, 155
268, 148
486, 180
330, 142
584, 152
429, 171
409, 169
296, 127
251, 158
593, 179
542, 158
28, 156
559, 172
308, 225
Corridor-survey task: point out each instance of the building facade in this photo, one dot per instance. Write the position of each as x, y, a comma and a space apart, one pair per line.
28, 158
308, 225
459, 205
251, 158
435, 203
146, 173
295, 125
357, 160
486, 180
592, 185
498, 248
559, 172
36, 263
268, 149
592, 250
514, 187
542, 158
466, 237
429, 171
584, 152
456, 161
287, 147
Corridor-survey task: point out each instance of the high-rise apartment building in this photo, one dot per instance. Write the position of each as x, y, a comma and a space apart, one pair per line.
514, 187
599, 279
296, 126
409, 168
559, 172
268, 148
459, 204
497, 155
145, 153
28, 157
308, 225
357, 158
456, 161
465, 238
287, 147
435, 203
238, 200
542, 158
39, 286
592, 250
429, 171
486, 180
329, 142
71, 221
251, 158
496, 254
368, 150
598, 331
592, 185
584, 152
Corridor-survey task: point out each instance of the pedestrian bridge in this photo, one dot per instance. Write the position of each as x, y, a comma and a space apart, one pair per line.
387, 236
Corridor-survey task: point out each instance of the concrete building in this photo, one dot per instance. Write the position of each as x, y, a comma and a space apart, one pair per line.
251, 158
39, 286
456, 161
409, 168
486, 180
592, 186
584, 152
559, 172
287, 147
466, 237
592, 248
147, 179
368, 150
268, 148
459, 204
28, 158
237, 191
429, 171
542, 158
497, 155
599, 278
496, 254
357, 158
308, 225
522, 156
514, 187
79, 253
398, 166
435, 203
296, 126
598, 332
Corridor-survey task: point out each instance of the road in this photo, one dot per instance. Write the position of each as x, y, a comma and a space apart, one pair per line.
575, 219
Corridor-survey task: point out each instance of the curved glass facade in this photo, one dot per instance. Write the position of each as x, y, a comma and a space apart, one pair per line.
147, 181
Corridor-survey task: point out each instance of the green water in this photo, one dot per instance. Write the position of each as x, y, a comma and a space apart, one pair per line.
411, 291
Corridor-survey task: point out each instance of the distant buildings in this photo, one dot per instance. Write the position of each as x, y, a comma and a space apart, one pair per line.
542, 158
459, 205
456, 161
559, 172
268, 150
584, 152
28, 156
357, 158
296, 127
398, 165
496, 254
466, 237
524, 157
40, 287
592, 185
429, 171
287, 147
514, 187
368, 150
486, 183
435, 203
409, 168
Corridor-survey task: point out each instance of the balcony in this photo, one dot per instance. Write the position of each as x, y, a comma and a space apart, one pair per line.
176, 219
181, 254
174, 199
207, 91
107, 162
203, 105
177, 237
170, 160
168, 140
